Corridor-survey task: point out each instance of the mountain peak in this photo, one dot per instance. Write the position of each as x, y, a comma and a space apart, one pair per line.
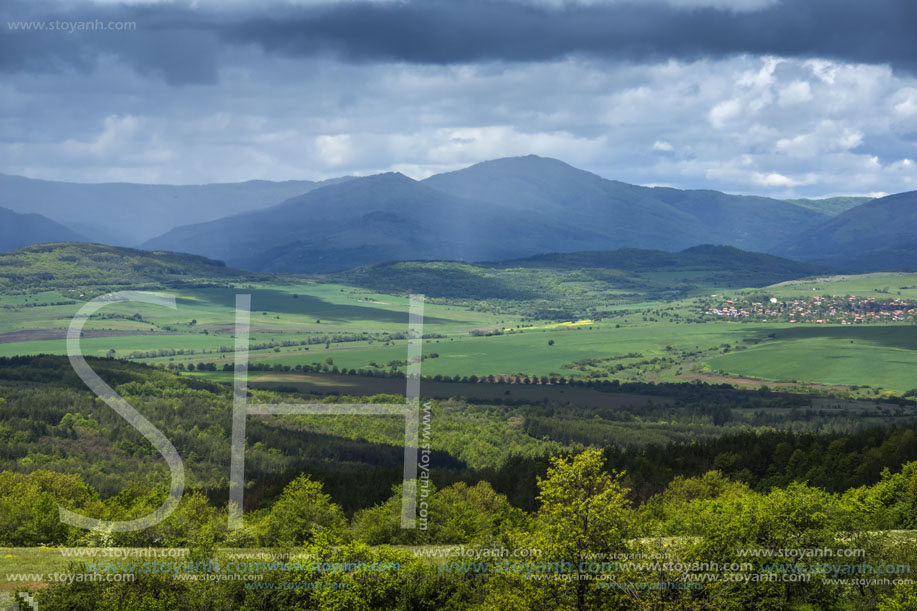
521, 164
387, 177
541, 181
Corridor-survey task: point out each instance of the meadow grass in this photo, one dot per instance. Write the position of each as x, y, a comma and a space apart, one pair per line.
897, 284
203, 326
842, 355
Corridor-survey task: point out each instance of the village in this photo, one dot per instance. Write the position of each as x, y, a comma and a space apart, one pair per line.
844, 310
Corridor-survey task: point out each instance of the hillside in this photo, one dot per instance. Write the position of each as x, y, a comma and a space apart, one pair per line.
497, 210
17, 230
755, 269
568, 282
628, 216
87, 266
880, 235
831, 206
126, 214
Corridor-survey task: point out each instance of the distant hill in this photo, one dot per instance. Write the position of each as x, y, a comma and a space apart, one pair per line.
127, 214
831, 206
562, 277
66, 265
502, 209
880, 235
17, 230
757, 269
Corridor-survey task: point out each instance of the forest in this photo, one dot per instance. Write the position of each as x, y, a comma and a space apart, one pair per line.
682, 524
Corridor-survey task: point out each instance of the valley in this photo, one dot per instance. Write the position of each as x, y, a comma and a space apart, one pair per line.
652, 325
524, 362
712, 367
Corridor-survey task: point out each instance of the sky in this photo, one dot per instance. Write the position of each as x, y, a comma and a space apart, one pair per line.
792, 98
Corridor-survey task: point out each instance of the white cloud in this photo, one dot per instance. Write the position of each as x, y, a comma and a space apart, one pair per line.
827, 137
724, 112
334, 150
796, 92
823, 69
721, 124
773, 179
907, 107
116, 129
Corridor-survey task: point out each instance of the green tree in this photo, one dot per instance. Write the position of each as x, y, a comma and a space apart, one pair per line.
793, 517
903, 599
302, 510
584, 511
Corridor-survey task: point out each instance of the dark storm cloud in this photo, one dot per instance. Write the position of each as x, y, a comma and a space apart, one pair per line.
175, 43
433, 31
188, 45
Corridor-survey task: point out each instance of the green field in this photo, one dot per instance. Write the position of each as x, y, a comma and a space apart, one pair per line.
638, 330
897, 284
639, 342
883, 357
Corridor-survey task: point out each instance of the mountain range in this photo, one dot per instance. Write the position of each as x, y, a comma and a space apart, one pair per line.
364, 220
126, 214
878, 235
495, 210
18, 230
503, 209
